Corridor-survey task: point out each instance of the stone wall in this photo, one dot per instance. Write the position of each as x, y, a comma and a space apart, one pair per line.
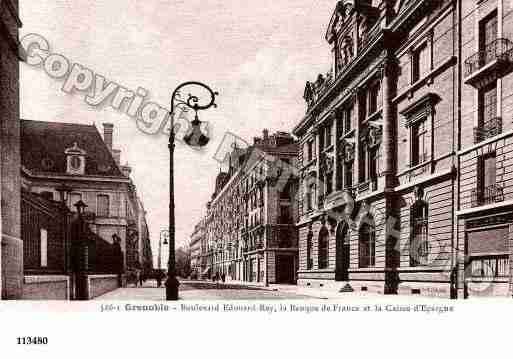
101, 284
51, 287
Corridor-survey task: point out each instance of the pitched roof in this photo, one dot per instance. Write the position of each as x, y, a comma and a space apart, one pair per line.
43, 145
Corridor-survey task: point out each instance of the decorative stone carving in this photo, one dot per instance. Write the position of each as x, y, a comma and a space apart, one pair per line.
375, 136
327, 163
349, 151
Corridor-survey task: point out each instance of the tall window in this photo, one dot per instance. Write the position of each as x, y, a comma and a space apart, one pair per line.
329, 182
419, 145
421, 63
103, 205
348, 174
419, 245
367, 247
487, 103
285, 214
374, 90
363, 163
487, 189
43, 244
373, 163
310, 148
324, 237
328, 135
310, 195
488, 29
348, 114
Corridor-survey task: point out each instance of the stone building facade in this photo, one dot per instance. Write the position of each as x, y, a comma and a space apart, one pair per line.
11, 247
379, 151
250, 230
196, 246
76, 156
485, 213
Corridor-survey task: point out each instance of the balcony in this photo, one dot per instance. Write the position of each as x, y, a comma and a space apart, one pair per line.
489, 129
489, 64
488, 195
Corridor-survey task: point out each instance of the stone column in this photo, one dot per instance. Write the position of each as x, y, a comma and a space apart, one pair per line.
389, 73
318, 182
388, 148
334, 133
356, 113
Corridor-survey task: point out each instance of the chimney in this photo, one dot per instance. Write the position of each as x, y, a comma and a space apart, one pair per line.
117, 156
126, 169
108, 129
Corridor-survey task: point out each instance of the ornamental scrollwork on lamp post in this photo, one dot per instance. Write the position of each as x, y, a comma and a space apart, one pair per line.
194, 138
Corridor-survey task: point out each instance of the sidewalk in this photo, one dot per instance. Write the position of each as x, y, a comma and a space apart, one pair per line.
322, 293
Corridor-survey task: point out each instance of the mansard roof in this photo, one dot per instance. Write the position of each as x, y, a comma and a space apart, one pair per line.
43, 146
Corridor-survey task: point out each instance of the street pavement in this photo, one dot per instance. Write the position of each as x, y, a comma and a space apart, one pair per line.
203, 290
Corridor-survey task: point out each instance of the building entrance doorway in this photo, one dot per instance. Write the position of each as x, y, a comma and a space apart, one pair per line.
285, 269
342, 253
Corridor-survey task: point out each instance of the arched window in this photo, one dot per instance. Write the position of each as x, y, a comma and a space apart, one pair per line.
419, 245
323, 254
367, 247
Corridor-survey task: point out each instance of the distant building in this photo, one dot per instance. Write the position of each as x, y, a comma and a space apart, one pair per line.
197, 243
250, 230
11, 246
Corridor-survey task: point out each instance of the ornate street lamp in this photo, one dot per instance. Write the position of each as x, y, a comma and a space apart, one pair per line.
195, 139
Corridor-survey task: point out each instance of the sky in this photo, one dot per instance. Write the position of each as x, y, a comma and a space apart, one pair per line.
258, 55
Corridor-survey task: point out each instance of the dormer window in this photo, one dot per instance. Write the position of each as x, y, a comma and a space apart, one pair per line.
75, 160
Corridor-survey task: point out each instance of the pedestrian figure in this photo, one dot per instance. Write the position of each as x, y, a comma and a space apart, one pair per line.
137, 277
223, 277
159, 279
141, 280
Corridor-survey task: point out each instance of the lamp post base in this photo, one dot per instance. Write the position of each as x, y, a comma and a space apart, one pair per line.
172, 285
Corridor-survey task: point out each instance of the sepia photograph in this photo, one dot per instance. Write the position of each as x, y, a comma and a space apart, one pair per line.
310, 161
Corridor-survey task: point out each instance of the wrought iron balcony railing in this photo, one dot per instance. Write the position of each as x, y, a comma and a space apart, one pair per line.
488, 195
499, 49
489, 129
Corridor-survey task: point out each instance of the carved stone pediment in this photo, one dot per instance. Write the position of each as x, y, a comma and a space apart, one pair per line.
344, 12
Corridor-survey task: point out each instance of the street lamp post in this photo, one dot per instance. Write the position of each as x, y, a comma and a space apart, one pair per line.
194, 139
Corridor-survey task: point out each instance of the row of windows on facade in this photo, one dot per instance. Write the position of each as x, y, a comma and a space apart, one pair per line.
419, 249
103, 202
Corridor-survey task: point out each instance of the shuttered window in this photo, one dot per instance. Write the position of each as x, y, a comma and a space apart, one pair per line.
488, 241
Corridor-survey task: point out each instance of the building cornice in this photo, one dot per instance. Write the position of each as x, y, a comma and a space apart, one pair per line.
48, 176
